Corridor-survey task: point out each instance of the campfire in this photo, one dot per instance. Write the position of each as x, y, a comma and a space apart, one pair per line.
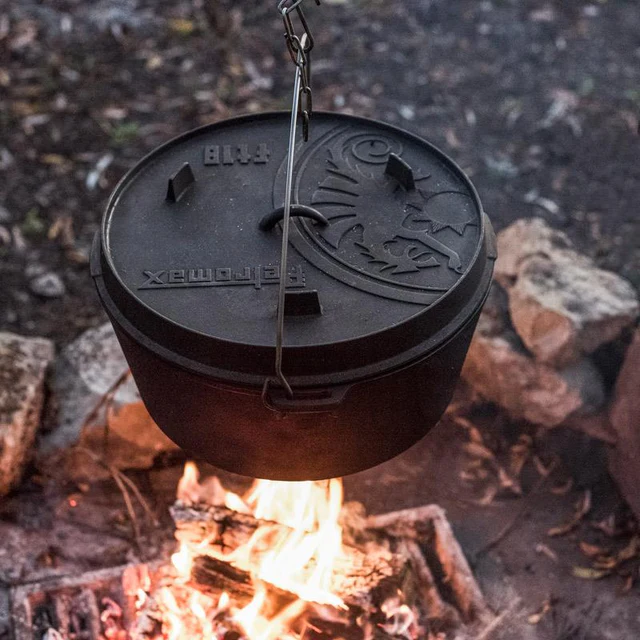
283, 561
271, 564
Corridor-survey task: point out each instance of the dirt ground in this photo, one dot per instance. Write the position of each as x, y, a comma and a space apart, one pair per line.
538, 101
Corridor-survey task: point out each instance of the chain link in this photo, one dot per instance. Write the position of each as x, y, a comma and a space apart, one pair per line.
300, 51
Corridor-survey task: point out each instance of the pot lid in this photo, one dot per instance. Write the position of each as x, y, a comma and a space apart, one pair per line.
393, 266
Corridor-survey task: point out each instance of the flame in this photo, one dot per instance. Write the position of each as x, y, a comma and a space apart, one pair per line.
300, 558
183, 562
295, 550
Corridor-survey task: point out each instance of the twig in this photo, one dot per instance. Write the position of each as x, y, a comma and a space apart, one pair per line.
105, 401
498, 620
524, 507
138, 494
122, 481
132, 513
107, 397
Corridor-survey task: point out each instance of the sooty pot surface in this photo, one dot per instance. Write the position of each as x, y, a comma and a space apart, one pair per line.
390, 261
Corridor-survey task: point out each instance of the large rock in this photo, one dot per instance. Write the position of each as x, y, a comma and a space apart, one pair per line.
524, 239
500, 369
83, 374
23, 367
624, 416
562, 306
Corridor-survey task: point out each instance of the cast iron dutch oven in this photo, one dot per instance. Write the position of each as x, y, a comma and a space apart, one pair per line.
391, 260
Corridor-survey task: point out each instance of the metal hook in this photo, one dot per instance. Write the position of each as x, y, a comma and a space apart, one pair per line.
285, 7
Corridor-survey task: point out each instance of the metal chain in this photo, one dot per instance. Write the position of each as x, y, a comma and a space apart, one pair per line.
300, 51
302, 104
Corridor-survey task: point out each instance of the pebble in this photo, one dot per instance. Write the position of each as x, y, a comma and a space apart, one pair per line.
48, 285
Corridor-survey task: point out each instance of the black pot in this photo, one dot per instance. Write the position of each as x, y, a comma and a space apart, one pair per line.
390, 264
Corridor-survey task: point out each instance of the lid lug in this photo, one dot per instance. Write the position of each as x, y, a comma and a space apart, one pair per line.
179, 182
400, 170
302, 303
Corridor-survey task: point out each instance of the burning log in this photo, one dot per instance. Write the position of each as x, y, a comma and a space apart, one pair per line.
362, 579
413, 552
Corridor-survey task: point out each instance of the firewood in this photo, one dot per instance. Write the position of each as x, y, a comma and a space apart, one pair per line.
436, 607
428, 526
363, 579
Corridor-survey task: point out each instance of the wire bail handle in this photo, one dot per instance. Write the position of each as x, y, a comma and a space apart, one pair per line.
302, 104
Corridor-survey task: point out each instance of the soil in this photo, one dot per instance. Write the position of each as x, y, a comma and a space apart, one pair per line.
537, 101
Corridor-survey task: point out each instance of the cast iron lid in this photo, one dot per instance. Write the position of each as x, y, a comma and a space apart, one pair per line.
401, 265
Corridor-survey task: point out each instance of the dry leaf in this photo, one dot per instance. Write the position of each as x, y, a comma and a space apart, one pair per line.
562, 530
508, 483
563, 489
463, 422
535, 618
488, 496
628, 584
540, 468
606, 562
470, 428
583, 506
630, 551
607, 526
53, 159
62, 230
181, 26
591, 550
468, 476
587, 573
545, 550
477, 450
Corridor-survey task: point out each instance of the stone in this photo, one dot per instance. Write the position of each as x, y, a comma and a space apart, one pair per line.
501, 370
562, 305
48, 285
624, 417
23, 368
84, 372
525, 239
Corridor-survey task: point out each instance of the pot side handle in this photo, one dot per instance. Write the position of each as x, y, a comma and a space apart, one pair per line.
303, 401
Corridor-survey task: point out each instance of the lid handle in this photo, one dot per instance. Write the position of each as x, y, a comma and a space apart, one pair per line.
269, 221
400, 170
